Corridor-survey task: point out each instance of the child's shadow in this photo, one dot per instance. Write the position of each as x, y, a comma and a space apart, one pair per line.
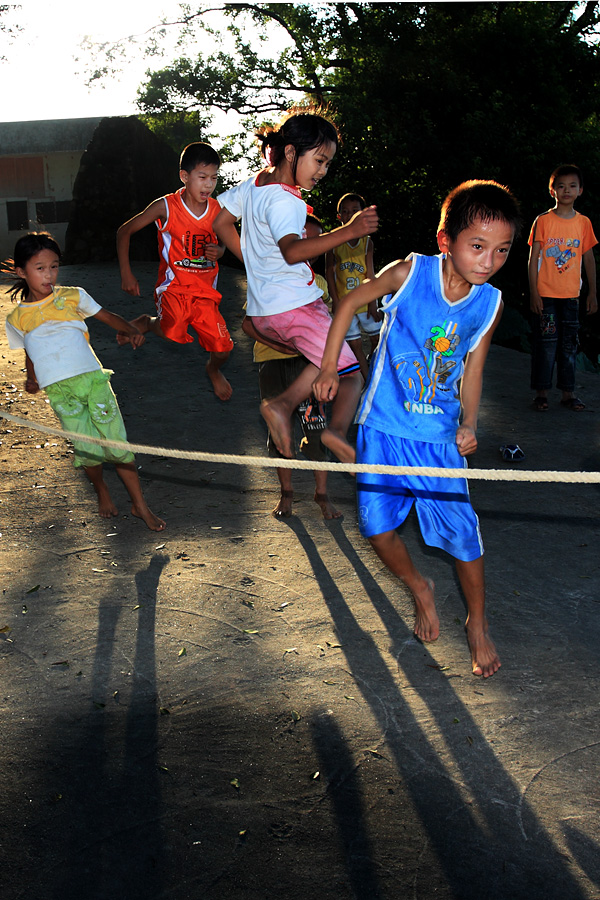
466, 801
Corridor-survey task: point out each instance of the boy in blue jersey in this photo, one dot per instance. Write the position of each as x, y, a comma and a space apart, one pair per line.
421, 403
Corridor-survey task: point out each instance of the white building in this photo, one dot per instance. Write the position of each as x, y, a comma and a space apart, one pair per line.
39, 162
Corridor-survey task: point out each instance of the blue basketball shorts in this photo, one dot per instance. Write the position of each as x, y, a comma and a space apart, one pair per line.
446, 518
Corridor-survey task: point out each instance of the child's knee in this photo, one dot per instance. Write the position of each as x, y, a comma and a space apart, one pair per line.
381, 541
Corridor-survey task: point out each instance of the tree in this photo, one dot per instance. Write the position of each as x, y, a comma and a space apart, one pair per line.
123, 169
426, 95
9, 25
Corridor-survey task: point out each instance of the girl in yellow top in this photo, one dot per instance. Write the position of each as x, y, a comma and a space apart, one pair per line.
49, 324
347, 266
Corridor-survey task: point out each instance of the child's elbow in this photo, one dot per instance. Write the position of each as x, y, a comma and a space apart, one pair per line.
289, 257
124, 231
290, 250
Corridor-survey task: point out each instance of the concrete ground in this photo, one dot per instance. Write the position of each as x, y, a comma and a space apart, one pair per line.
237, 708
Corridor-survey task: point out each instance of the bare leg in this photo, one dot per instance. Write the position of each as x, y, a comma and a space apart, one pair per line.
391, 550
342, 413
483, 652
374, 339
277, 413
127, 472
283, 510
357, 348
221, 386
322, 498
106, 507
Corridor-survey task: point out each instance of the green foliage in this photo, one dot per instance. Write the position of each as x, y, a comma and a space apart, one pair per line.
426, 96
176, 128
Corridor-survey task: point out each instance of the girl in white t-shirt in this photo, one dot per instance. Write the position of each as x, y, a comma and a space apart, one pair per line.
283, 300
49, 324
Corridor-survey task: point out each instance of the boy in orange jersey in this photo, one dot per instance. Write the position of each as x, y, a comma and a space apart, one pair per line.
186, 289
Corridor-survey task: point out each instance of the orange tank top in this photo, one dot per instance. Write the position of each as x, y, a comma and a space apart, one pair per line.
182, 240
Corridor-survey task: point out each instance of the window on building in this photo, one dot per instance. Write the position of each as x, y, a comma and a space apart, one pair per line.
16, 211
22, 176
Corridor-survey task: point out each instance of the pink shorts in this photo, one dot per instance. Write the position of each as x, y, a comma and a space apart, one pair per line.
305, 330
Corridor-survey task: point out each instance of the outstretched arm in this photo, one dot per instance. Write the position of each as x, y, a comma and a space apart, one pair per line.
388, 281
113, 320
470, 391
156, 210
297, 249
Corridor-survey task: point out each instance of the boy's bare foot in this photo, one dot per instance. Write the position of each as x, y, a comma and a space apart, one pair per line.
339, 446
221, 386
327, 508
427, 624
145, 513
280, 427
484, 657
283, 510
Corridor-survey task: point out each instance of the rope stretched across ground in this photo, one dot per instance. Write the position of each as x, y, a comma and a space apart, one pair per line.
270, 463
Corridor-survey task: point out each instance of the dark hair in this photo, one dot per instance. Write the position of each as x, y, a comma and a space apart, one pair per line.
305, 130
26, 247
314, 220
356, 198
486, 200
565, 170
198, 154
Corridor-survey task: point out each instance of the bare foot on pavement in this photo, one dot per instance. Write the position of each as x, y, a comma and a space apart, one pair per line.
484, 656
221, 386
327, 508
427, 624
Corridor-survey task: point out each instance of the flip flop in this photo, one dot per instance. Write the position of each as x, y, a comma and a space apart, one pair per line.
573, 403
312, 415
512, 453
540, 403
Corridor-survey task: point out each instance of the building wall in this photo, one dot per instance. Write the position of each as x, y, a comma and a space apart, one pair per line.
39, 162
35, 195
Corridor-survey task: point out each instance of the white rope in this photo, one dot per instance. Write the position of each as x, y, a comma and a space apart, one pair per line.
270, 463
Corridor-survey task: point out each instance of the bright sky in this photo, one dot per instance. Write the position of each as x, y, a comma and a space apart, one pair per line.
41, 80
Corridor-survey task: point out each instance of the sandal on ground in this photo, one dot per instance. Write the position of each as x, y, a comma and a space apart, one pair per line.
512, 453
573, 403
312, 415
540, 403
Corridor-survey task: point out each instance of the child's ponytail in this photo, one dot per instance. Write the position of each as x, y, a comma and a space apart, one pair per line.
271, 145
18, 286
304, 129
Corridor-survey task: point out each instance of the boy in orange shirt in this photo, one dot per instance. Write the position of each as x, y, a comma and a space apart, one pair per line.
561, 239
186, 289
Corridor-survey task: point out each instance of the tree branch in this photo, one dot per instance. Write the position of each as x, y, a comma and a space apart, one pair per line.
587, 19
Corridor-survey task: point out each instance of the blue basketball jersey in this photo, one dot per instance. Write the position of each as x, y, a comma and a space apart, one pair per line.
413, 386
